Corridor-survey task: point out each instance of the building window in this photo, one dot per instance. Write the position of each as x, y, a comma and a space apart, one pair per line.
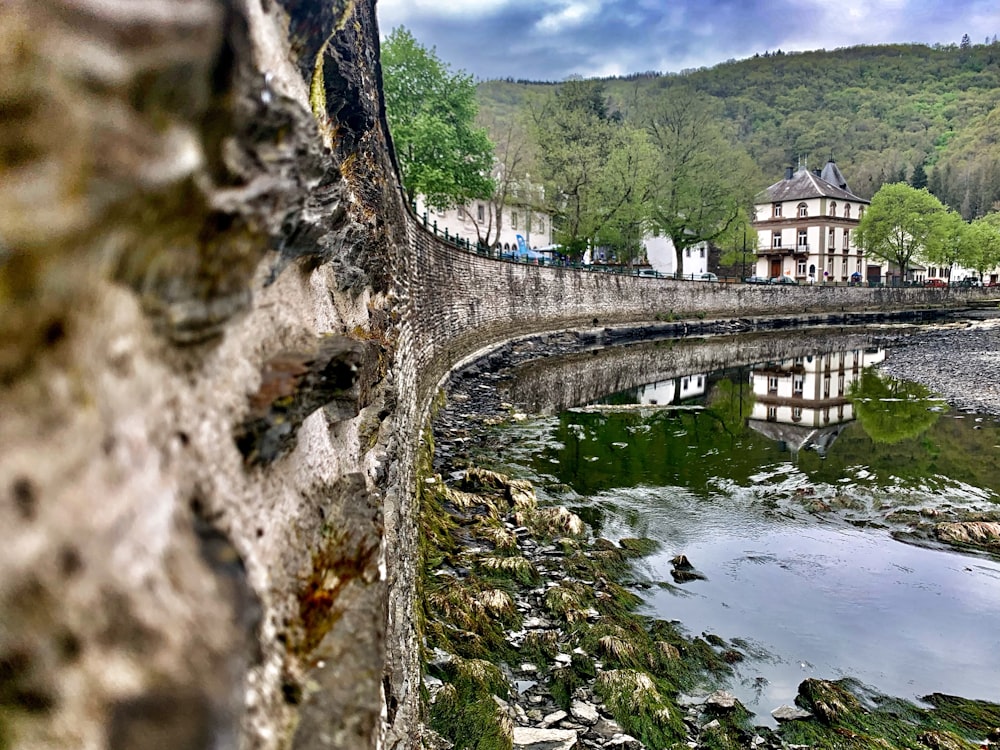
772, 384
703, 252
480, 211
688, 252
831, 240
513, 219
847, 210
776, 240
797, 413
772, 414
833, 209
798, 384
861, 213
776, 210
847, 239
801, 268
843, 268
803, 210
803, 238
859, 266
541, 225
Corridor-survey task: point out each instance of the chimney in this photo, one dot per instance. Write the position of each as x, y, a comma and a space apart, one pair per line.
788, 172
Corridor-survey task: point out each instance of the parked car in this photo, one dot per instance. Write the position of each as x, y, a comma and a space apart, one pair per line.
649, 272
969, 281
784, 280
705, 277
936, 283
756, 280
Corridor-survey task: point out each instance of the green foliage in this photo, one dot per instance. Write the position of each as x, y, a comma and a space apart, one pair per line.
639, 703
902, 224
882, 110
465, 711
850, 717
981, 246
431, 112
891, 410
704, 184
596, 171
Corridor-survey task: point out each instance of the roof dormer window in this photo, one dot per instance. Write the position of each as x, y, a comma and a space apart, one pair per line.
833, 208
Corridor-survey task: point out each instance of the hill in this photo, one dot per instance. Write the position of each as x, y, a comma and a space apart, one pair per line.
881, 111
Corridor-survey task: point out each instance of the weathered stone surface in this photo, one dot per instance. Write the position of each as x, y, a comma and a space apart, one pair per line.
583, 712
294, 384
976, 533
530, 738
789, 713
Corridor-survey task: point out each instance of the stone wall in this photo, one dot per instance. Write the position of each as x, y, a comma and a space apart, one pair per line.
221, 337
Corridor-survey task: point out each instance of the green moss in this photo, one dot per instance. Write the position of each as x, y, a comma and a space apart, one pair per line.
638, 702
850, 716
465, 712
638, 547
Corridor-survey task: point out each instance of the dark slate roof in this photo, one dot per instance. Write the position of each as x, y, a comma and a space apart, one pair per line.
832, 174
805, 184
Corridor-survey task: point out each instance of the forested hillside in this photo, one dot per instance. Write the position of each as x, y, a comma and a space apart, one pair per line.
885, 113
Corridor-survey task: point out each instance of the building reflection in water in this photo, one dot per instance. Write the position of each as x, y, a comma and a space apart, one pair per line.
803, 402
672, 391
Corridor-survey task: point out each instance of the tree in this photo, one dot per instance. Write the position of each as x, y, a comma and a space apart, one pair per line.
890, 410
431, 112
953, 246
511, 183
983, 244
919, 177
591, 163
703, 185
900, 224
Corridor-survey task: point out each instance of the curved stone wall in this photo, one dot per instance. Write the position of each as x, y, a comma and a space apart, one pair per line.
221, 336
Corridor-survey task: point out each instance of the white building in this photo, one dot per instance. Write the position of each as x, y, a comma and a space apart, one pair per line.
662, 256
673, 391
804, 228
473, 221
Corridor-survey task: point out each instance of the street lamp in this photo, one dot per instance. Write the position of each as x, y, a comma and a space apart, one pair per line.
743, 258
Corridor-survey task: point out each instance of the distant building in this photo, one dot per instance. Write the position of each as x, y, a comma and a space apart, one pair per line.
533, 225
662, 256
804, 228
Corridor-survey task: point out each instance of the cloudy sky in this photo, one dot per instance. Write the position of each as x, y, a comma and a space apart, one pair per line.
552, 39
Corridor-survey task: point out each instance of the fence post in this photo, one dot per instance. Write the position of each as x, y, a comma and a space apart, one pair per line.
435, 227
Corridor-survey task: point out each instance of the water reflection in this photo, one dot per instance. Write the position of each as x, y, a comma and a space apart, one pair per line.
804, 402
760, 474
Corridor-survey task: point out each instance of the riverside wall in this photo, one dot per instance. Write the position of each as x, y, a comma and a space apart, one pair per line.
221, 337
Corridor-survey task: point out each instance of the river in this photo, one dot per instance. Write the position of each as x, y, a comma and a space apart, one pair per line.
800, 490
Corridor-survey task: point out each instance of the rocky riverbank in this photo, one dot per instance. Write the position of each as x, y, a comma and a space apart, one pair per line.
960, 361
533, 642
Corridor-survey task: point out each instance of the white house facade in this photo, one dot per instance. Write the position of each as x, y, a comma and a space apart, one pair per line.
805, 225
533, 225
662, 256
